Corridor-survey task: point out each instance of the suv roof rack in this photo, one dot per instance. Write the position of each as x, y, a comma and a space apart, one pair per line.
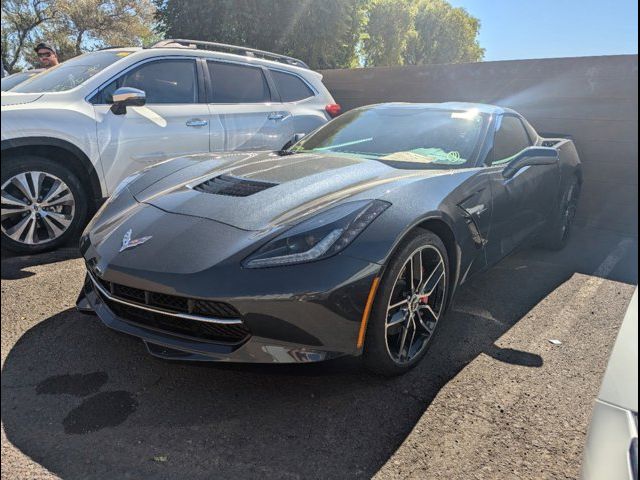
238, 50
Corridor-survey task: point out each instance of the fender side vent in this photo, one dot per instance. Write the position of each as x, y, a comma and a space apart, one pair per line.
232, 186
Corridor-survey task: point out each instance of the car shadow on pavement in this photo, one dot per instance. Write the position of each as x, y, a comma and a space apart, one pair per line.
14, 266
86, 402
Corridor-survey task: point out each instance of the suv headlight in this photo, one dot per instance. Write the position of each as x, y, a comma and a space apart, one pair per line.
318, 237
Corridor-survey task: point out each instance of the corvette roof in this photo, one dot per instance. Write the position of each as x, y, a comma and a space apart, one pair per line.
481, 107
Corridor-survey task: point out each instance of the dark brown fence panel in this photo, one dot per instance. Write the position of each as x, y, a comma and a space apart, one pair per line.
592, 99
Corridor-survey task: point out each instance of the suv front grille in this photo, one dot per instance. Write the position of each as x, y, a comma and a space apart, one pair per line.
232, 186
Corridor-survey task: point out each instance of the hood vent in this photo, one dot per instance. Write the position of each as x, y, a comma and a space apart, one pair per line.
232, 186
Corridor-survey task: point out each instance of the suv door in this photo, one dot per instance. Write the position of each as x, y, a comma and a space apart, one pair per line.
247, 109
174, 121
522, 203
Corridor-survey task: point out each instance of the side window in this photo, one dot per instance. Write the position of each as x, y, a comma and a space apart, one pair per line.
163, 81
290, 87
237, 84
509, 140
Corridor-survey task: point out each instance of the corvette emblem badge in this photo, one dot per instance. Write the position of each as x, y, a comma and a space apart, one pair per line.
128, 243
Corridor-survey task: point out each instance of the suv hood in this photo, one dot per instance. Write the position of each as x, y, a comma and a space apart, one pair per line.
260, 191
10, 98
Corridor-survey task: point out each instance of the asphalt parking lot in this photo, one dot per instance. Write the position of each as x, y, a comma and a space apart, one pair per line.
494, 398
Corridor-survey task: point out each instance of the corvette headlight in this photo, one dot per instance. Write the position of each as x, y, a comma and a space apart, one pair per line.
319, 237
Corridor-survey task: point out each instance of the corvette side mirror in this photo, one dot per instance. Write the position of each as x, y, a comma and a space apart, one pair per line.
295, 139
529, 157
127, 97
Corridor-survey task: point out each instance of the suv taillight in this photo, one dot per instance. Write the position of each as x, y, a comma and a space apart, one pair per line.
333, 110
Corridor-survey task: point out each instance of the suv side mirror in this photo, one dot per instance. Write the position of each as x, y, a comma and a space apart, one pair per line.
125, 97
529, 157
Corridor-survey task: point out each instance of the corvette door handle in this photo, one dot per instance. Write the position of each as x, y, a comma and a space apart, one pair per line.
276, 116
196, 122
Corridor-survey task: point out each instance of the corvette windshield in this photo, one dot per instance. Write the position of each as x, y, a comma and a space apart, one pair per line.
403, 136
71, 73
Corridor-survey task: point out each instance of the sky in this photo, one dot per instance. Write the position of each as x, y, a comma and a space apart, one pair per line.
515, 29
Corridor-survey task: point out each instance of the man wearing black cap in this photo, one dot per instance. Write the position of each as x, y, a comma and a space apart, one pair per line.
46, 55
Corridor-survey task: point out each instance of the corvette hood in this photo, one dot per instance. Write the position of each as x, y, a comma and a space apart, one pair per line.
258, 191
19, 98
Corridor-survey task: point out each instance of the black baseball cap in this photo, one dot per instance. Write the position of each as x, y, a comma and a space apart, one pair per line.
44, 45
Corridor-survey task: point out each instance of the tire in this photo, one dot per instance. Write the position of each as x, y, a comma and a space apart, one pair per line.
44, 205
382, 351
560, 226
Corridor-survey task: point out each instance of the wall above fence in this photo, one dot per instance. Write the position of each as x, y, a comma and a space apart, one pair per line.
592, 99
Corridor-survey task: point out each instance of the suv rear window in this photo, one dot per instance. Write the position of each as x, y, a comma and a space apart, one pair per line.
237, 84
290, 87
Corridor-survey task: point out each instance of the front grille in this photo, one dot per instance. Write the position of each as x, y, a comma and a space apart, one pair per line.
200, 330
232, 186
211, 332
170, 303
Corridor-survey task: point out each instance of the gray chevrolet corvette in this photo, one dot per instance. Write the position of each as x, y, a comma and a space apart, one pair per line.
352, 241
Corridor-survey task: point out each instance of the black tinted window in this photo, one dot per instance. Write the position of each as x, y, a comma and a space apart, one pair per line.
237, 84
290, 87
510, 139
163, 81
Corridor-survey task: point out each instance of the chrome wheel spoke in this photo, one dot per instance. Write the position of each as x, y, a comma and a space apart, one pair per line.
415, 304
434, 279
52, 227
8, 199
416, 271
428, 318
37, 178
62, 219
402, 342
56, 189
65, 199
397, 304
37, 207
395, 323
12, 206
21, 183
15, 232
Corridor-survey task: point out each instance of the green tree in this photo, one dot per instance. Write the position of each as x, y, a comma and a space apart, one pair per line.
417, 32
72, 26
323, 33
21, 21
389, 28
443, 34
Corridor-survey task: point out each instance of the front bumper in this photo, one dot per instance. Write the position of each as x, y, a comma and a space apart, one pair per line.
294, 318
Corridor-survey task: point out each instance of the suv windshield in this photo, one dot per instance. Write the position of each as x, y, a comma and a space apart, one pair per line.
71, 73
406, 137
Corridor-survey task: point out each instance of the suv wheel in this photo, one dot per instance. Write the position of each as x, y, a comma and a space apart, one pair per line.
43, 204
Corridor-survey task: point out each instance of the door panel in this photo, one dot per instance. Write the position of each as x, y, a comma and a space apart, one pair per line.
148, 135
175, 120
521, 206
522, 202
242, 103
251, 127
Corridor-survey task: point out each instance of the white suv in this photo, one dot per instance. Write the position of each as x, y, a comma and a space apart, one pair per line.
72, 133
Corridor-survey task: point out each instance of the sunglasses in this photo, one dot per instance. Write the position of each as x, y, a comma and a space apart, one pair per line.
44, 55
